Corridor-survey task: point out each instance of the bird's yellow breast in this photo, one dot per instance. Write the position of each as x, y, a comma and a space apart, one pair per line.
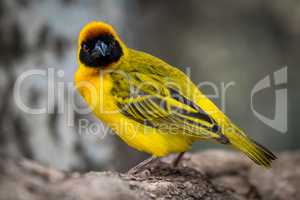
95, 88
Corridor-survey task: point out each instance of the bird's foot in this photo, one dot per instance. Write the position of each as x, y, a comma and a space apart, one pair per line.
141, 166
177, 159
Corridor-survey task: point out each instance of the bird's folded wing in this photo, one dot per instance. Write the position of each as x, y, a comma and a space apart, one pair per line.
172, 113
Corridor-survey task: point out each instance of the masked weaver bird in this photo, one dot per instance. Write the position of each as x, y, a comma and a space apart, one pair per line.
153, 106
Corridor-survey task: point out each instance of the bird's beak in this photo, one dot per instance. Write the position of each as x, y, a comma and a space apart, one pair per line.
100, 50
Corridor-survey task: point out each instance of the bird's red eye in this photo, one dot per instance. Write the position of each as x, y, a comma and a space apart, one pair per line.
85, 48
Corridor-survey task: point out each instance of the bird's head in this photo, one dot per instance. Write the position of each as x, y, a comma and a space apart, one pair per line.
99, 46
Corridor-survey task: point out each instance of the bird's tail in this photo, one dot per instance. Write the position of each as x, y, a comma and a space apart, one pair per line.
256, 152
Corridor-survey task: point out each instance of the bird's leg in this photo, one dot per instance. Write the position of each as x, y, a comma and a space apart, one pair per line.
141, 165
177, 159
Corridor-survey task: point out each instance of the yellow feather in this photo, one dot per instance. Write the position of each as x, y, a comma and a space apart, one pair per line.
164, 97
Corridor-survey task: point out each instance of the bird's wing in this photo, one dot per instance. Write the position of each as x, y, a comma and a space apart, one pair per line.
146, 99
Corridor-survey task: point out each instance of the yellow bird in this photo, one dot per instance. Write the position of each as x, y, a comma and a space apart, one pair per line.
151, 105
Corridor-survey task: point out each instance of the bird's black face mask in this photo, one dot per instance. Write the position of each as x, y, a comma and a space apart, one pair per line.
100, 51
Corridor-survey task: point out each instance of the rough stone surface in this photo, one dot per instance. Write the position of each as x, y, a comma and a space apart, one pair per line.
213, 174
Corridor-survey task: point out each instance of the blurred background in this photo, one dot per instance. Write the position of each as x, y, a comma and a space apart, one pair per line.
231, 42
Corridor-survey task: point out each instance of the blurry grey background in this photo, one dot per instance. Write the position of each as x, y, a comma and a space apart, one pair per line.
236, 41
